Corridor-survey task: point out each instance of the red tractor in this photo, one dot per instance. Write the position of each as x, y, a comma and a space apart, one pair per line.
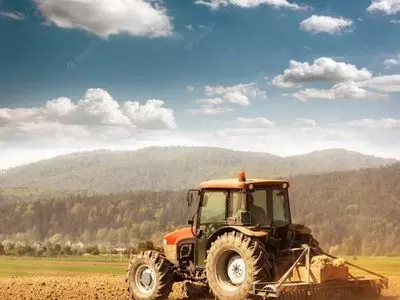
242, 244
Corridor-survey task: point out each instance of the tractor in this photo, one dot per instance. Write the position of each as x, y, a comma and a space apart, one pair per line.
242, 244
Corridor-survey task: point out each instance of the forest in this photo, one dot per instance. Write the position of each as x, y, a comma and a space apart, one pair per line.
350, 212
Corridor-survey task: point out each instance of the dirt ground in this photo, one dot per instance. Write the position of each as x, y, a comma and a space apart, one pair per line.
98, 287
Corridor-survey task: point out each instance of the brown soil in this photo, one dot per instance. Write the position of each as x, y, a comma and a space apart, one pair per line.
99, 287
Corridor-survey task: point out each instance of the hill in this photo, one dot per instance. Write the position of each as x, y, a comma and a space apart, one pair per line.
350, 212
171, 168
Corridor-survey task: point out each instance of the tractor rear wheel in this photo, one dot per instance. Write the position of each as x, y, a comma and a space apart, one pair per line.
234, 262
150, 276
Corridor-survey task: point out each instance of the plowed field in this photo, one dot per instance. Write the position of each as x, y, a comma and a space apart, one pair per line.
95, 280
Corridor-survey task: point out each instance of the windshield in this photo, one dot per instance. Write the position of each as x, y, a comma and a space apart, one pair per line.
269, 207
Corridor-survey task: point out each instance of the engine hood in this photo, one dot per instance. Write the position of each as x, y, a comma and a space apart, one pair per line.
176, 236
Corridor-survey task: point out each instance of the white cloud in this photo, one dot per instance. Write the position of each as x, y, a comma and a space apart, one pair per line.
370, 136
387, 123
189, 27
190, 88
151, 115
387, 83
342, 90
12, 15
325, 24
212, 110
103, 18
97, 115
216, 4
210, 106
304, 122
210, 101
389, 7
390, 62
240, 94
322, 69
258, 122
395, 22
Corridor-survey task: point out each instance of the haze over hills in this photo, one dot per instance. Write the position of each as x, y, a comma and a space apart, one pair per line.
172, 168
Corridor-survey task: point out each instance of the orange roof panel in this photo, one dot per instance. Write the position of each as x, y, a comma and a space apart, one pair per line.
237, 184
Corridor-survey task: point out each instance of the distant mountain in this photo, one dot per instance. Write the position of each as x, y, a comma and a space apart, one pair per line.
172, 168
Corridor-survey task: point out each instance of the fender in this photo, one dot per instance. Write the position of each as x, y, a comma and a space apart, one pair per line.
249, 231
177, 236
174, 239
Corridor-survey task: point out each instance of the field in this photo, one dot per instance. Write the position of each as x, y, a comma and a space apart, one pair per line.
102, 277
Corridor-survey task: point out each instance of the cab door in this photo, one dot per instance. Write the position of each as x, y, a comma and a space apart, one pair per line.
212, 216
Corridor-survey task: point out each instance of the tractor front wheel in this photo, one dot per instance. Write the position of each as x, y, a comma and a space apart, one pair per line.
150, 276
234, 263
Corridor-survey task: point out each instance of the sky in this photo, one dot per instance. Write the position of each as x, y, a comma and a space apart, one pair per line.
278, 76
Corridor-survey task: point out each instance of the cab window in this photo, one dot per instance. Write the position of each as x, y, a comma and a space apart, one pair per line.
213, 207
234, 204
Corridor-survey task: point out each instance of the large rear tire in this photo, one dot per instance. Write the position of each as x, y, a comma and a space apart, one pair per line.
150, 276
234, 263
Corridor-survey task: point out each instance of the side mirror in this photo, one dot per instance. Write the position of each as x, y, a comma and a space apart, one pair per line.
190, 196
190, 222
190, 199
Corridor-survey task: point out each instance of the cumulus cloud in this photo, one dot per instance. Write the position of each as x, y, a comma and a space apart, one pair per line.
14, 15
325, 24
322, 69
240, 94
342, 90
371, 136
257, 122
387, 83
304, 122
396, 22
210, 106
209, 109
105, 18
303, 138
390, 62
389, 7
96, 114
151, 115
190, 88
210, 101
216, 4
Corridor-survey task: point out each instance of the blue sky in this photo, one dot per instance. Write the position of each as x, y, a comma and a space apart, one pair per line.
275, 76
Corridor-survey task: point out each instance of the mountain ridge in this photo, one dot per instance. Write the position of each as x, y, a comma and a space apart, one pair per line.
172, 168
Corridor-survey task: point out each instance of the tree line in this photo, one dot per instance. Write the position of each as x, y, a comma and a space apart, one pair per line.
352, 213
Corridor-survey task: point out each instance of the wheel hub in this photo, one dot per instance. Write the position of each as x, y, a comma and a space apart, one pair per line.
145, 279
236, 270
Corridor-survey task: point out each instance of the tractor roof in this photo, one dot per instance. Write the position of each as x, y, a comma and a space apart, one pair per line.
238, 184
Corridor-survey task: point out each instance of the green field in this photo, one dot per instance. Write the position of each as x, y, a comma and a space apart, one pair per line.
61, 266
70, 266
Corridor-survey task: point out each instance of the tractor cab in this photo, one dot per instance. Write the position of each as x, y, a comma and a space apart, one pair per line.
244, 202
252, 206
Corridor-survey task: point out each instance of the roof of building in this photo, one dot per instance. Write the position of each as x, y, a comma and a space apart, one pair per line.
235, 183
